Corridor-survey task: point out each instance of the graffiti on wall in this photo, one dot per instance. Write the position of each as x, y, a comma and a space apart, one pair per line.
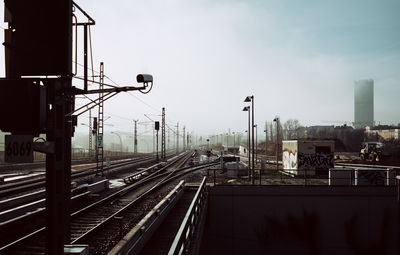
316, 161
289, 159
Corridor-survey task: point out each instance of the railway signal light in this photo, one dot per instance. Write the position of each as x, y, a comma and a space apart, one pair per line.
94, 125
36, 38
22, 106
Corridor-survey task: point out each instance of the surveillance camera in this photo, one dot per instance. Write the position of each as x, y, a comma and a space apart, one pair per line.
144, 78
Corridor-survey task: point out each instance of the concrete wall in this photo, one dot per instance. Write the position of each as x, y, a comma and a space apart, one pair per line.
301, 220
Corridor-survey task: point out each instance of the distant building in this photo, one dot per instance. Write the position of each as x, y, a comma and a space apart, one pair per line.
364, 103
319, 131
385, 132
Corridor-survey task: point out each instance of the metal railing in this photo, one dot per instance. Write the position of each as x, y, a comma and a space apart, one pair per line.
187, 229
360, 176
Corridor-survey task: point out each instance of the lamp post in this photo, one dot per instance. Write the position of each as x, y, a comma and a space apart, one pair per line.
251, 99
277, 143
266, 138
256, 143
120, 139
247, 109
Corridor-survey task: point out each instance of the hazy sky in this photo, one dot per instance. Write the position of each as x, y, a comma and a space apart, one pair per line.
298, 58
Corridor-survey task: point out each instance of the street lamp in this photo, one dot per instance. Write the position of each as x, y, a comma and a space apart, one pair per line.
251, 99
256, 143
277, 143
247, 109
266, 135
120, 139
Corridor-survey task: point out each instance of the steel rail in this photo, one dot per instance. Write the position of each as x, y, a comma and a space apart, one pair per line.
40, 182
188, 226
121, 211
76, 214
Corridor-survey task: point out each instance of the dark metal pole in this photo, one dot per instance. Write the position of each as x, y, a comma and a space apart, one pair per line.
58, 164
85, 58
163, 148
58, 167
154, 142
252, 138
248, 145
177, 138
157, 144
135, 137
277, 143
256, 143
266, 138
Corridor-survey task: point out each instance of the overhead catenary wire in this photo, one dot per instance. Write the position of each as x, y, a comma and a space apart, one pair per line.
132, 95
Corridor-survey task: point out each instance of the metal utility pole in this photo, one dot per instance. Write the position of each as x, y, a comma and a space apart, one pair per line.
252, 137
90, 134
168, 140
157, 127
256, 143
247, 109
251, 99
184, 143
163, 154
58, 168
135, 137
177, 138
94, 132
100, 125
154, 138
266, 138
49, 109
277, 141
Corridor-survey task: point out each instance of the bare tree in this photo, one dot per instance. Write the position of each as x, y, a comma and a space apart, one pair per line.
292, 129
266, 132
271, 131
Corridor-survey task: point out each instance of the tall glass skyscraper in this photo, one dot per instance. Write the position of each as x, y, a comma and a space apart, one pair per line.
364, 103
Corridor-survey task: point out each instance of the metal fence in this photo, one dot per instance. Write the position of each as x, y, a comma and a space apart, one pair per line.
187, 229
361, 176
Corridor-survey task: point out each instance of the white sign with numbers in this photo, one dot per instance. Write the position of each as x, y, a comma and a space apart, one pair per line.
100, 141
18, 149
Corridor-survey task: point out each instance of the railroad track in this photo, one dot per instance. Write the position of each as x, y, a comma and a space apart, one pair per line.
42, 163
22, 210
13, 189
87, 221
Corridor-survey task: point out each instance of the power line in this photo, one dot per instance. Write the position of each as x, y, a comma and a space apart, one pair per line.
132, 95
